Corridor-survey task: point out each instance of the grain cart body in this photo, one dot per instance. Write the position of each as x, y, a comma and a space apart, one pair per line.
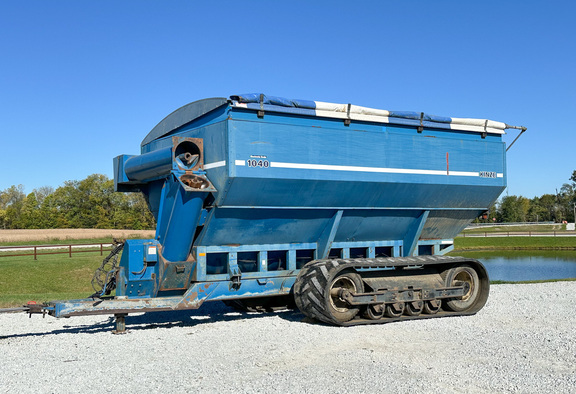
246, 190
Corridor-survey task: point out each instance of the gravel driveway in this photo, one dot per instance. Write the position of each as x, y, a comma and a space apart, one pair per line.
523, 341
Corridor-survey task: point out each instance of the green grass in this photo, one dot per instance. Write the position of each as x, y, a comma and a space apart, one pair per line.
515, 243
51, 277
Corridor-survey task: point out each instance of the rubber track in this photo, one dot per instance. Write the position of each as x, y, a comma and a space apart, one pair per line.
314, 277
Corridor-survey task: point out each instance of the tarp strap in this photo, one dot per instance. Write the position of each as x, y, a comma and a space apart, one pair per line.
485, 132
261, 111
348, 120
421, 127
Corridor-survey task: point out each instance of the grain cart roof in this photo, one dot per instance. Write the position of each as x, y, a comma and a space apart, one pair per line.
258, 101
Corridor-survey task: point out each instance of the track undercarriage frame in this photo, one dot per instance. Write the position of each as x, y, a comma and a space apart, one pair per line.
366, 291
337, 291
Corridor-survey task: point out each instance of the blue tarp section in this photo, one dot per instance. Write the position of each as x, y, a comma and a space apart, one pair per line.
403, 117
277, 108
416, 116
273, 100
405, 114
438, 119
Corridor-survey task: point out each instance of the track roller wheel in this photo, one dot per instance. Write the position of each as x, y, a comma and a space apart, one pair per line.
432, 307
395, 310
414, 308
463, 275
374, 312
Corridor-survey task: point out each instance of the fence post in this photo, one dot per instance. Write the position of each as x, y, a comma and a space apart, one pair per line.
101, 249
70, 251
34, 252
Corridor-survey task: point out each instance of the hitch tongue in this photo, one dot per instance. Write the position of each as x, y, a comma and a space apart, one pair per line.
30, 308
34, 308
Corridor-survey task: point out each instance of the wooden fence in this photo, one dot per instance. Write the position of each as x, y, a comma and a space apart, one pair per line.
38, 250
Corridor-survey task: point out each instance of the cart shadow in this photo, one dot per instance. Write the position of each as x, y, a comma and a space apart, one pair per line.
209, 313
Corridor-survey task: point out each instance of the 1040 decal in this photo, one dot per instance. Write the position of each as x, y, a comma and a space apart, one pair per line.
258, 163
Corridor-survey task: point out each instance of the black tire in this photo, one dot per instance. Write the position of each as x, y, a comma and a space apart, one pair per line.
313, 287
463, 274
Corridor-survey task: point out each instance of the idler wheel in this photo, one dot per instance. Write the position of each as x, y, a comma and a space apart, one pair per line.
395, 310
432, 307
463, 275
414, 308
339, 308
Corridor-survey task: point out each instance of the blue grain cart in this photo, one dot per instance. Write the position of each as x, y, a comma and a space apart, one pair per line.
345, 210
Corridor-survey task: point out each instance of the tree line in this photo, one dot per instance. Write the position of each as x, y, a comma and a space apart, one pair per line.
92, 203
558, 207
89, 203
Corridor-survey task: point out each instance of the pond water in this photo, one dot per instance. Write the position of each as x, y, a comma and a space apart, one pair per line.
521, 265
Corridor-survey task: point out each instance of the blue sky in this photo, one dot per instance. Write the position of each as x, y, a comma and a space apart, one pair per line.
84, 81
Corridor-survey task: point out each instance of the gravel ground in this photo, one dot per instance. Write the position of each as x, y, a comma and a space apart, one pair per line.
522, 341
